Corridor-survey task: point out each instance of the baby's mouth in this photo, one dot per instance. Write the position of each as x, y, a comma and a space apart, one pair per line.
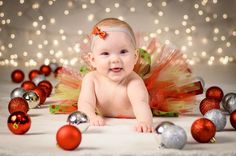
116, 70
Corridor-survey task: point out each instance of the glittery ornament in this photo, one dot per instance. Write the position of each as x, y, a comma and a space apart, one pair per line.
173, 137
42, 95
28, 85
37, 79
47, 84
53, 66
215, 93
229, 102
32, 98
33, 73
233, 119
46, 70
203, 130
17, 92
68, 137
208, 104
19, 123
162, 126
217, 117
18, 104
79, 119
17, 76
58, 71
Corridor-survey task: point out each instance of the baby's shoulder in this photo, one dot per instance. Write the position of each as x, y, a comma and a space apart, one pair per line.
89, 76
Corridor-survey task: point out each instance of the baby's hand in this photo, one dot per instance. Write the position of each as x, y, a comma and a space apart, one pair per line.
144, 127
97, 121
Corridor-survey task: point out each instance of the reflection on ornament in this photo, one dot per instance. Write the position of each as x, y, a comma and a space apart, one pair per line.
42, 95
37, 79
46, 70
28, 85
79, 119
215, 93
17, 76
229, 102
32, 98
217, 117
208, 104
17, 92
173, 137
233, 119
162, 126
19, 123
46, 84
33, 73
18, 104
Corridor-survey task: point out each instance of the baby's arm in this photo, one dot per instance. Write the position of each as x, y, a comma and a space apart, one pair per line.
138, 96
87, 100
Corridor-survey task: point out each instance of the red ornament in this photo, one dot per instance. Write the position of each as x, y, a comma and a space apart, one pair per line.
208, 104
46, 70
17, 76
41, 93
233, 119
48, 85
18, 104
28, 85
68, 137
203, 130
19, 122
58, 71
33, 73
215, 93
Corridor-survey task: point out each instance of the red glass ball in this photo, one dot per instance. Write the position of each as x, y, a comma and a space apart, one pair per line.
233, 119
48, 85
41, 93
208, 104
46, 70
18, 104
68, 137
17, 76
58, 71
28, 85
203, 130
215, 93
33, 73
19, 122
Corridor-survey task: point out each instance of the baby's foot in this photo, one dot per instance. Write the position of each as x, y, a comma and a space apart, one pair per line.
97, 121
144, 127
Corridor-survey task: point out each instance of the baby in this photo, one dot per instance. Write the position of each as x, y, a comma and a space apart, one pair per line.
113, 89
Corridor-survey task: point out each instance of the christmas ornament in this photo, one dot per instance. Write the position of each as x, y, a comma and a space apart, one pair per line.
45, 89
68, 137
58, 71
233, 119
33, 73
37, 79
229, 102
162, 126
32, 98
173, 137
41, 94
48, 85
53, 66
18, 104
19, 122
28, 85
17, 76
46, 70
79, 119
217, 117
215, 93
208, 104
17, 92
203, 130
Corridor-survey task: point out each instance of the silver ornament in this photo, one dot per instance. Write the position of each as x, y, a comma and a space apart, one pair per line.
38, 79
17, 92
32, 98
53, 66
79, 119
162, 126
173, 137
229, 102
217, 117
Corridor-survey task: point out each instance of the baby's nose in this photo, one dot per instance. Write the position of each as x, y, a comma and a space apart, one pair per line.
115, 59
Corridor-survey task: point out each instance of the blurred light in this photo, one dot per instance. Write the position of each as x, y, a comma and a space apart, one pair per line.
80, 32
40, 18
163, 3
84, 6
35, 24
30, 42
66, 12
132, 9
90, 17
185, 17
108, 10
160, 13
219, 50
116, 5
156, 21
12, 36
19, 13
52, 20
200, 12
92, 1
225, 16
149, 4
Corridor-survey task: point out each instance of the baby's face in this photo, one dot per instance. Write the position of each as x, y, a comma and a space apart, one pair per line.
114, 57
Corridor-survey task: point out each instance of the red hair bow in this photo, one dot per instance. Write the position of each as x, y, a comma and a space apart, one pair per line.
97, 31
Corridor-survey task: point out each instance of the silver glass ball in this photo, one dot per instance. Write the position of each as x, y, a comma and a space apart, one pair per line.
32, 98
38, 79
229, 102
79, 119
174, 137
17, 92
162, 126
217, 117
53, 66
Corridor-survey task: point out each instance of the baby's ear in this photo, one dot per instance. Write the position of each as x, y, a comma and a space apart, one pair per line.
91, 59
136, 55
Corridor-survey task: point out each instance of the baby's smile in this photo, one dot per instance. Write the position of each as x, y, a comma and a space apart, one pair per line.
116, 69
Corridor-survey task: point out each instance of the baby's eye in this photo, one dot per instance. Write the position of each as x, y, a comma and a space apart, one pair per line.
104, 53
124, 51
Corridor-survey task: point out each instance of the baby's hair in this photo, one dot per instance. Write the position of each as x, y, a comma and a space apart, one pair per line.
114, 23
